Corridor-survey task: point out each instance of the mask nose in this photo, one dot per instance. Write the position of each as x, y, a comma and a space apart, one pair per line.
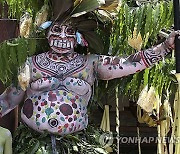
63, 34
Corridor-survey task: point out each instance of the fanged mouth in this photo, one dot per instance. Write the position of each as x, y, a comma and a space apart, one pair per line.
64, 44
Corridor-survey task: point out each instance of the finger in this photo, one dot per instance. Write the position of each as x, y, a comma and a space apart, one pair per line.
177, 32
173, 34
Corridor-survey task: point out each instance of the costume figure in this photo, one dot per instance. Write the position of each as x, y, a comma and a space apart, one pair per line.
59, 89
5, 141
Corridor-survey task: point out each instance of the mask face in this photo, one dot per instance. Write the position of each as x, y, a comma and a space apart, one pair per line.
61, 38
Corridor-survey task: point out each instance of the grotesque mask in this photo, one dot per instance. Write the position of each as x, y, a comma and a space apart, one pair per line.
62, 38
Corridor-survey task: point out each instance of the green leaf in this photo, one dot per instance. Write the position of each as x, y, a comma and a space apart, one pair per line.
34, 148
141, 19
31, 46
163, 13
86, 6
94, 42
22, 51
170, 15
146, 76
148, 19
86, 25
127, 15
73, 138
155, 21
13, 56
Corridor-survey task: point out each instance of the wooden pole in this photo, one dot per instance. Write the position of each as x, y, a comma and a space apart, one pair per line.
177, 54
117, 120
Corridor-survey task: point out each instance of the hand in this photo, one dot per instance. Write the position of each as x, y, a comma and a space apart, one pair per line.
169, 42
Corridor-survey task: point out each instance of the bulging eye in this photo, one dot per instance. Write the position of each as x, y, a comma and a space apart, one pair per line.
70, 31
57, 29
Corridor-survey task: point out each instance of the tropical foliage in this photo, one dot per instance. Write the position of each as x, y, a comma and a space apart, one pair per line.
88, 141
148, 20
18, 7
136, 26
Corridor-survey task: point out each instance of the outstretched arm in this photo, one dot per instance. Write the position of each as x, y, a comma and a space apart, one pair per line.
108, 67
11, 97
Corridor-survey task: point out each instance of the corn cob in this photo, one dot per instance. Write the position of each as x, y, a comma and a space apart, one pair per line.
110, 5
147, 100
24, 77
142, 97
41, 15
135, 41
25, 25
147, 103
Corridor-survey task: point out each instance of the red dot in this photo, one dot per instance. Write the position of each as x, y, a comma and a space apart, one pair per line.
66, 125
54, 57
76, 97
60, 131
42, 104
72, 100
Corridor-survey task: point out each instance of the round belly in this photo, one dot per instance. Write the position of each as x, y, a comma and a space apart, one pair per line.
57, 111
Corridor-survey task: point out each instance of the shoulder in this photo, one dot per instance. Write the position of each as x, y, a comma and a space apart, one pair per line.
92, 57
40, 55
4, 131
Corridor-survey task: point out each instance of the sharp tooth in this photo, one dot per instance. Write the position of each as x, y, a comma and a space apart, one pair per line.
59, 44
68, 45
64, 45
51, 43
61, 41
56, 43
71, 44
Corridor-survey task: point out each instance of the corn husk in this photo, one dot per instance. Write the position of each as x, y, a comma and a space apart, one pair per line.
105, 123
110, 5
41, 16
147, 106
25, 25
24, 77
135, 41
147, 99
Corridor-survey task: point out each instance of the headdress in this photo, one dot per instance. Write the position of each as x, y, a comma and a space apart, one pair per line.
84, 16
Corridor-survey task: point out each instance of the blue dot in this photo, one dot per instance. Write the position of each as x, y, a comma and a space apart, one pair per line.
62, 119
67, 83
43, 120
38, 123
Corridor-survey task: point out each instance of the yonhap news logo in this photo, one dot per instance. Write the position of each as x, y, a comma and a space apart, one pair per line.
147, 140
107, 139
